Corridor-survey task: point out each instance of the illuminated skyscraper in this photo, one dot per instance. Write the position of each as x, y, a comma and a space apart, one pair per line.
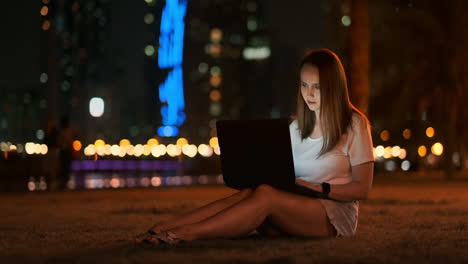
75, 35
226, 41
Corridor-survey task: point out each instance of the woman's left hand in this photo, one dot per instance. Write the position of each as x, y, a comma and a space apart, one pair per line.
309, 185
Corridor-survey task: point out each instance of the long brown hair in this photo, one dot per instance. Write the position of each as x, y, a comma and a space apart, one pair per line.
335, 108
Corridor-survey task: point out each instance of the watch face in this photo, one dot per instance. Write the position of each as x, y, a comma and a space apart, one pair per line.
325, 187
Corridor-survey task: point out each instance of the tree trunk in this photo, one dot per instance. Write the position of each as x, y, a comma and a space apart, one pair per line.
359, 47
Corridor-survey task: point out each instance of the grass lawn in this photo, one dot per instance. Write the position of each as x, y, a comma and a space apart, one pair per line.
402, 222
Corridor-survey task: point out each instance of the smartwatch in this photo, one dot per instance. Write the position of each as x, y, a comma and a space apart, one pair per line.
325, 189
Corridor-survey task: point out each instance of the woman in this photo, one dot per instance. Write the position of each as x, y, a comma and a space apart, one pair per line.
332, 149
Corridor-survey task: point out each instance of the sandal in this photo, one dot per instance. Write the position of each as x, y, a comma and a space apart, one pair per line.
143, 236
172, 238
164, 237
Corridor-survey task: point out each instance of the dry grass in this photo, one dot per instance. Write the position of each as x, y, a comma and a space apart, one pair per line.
405, 222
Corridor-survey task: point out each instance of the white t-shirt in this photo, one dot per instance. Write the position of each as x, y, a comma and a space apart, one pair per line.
334, 167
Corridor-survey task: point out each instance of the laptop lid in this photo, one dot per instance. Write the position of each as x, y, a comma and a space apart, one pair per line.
255, 152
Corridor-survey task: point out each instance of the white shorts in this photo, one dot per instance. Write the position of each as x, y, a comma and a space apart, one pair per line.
342, 215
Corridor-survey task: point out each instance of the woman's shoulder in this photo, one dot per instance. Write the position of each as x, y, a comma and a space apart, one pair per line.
358, 124
294, 128
358, 119
293, 123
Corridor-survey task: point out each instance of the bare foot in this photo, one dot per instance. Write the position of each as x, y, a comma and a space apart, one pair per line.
144, 236
159, 227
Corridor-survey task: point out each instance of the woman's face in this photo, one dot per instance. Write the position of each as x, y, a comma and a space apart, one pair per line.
310, 87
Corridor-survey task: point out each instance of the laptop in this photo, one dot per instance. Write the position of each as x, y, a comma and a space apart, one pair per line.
255, 152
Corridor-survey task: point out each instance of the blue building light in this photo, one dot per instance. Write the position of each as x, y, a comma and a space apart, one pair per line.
168, 131
170, 54
171, 35
171, 92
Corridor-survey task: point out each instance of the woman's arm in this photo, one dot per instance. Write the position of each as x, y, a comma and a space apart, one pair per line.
358, 189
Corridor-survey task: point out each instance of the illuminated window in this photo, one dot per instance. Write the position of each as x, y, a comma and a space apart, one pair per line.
216, 35
215, 95
44, 10
149, 50
346, 21
46, 25
251, 53
252, 24
215, 80
96, 107
149, 18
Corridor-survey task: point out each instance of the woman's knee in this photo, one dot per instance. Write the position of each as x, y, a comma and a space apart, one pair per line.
264, 190
246, 192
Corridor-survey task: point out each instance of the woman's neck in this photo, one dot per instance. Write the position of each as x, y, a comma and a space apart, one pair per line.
317, 132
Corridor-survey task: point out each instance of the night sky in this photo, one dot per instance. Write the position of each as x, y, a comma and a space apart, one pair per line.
298, 25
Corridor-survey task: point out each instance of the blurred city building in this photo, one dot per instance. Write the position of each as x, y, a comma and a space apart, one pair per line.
96, 61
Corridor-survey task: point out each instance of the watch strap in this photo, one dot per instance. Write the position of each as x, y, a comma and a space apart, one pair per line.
325, 189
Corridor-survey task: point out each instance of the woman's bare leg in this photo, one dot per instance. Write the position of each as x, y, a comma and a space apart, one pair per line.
203, 212
293, 214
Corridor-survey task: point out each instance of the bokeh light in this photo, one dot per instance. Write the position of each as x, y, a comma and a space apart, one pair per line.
158, 150
430, 132
203, 67
396, 151
44, 10
181, 142
40, 134
146, 150
96, 107
422, 151
215, 95
406, 165
115, 150
214, 142
379, 151
216, 35
149, 18
346, 20
407, 133
205, 150
77, 145
138, 150
217, 151
385, 135
99, 143
130, 150
387, 152
173, 150
150, 50
190, 150
215, 80
437, 149
390, 165
215, 70
402, 154
43, 149
90, 150
124, 142
46, 25
156, 181
152, 141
